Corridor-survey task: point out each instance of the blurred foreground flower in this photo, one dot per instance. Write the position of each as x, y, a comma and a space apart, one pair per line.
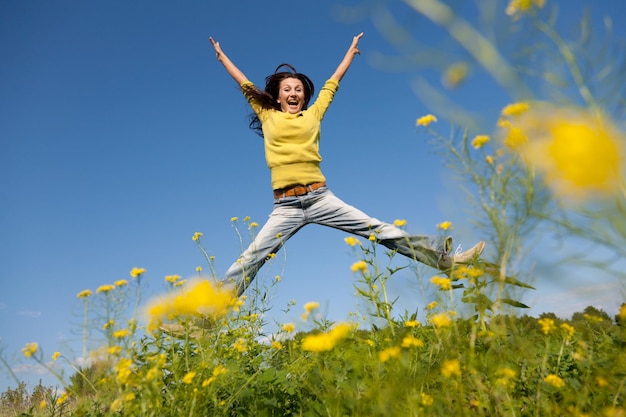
30, 349
579, 152
197, 297
516, 7
326, 341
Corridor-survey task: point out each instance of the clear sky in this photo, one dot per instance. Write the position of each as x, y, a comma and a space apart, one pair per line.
121, 136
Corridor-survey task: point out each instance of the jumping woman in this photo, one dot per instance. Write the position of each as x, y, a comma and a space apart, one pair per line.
291, 132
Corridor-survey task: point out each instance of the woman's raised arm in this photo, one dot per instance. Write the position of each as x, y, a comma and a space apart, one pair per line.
234, 72
347, 60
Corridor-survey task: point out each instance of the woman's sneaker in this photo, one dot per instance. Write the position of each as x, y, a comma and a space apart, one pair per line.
462, 258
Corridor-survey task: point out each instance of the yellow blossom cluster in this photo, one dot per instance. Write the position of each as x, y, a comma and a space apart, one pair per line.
446, 225
547, 325
389, 353
451, 368
425, 120
30, 349
578, 151
219, 370
200, 297
137, 272
479, 141
325, 341
442, 282
554, 380
359, 266
516, 7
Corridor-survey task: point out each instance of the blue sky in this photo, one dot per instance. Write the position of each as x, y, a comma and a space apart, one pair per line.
121, 136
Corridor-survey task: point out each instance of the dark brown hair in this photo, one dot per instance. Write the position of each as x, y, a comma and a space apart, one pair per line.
268, 98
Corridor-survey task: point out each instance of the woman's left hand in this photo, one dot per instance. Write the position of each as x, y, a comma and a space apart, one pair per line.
354, 48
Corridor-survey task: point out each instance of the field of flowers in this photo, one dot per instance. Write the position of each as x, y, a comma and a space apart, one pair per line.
553, 161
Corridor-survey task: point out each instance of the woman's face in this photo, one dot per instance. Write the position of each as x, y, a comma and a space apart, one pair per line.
291, 95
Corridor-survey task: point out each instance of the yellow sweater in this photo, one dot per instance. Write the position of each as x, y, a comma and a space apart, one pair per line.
292, 140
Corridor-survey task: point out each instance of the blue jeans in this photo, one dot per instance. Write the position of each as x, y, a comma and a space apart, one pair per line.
321, 206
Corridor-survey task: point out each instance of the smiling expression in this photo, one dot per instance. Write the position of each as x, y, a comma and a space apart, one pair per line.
291, 95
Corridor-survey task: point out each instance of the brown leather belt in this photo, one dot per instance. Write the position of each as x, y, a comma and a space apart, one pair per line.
297, 190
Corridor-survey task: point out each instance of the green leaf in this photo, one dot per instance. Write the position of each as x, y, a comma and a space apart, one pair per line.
513, 303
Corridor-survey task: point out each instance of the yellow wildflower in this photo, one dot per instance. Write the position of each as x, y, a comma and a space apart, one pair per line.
451, 368
208, 382
108, 324
196, 236
56, 356
30, 349
246, 219
489, 159
105, 288
447, 225
129, 397
399, 222
455, 74
136, 272
289, 327
219, 370
568, 329
119, 334
311, 305
622, 311
412, 323
479, 141
516, 7
188, 378
359, 266
277, 345
442, 282
441, 320
172, 278
84, 294
123, 370
554, 380
426, 120
579, 153
411, 341
116, 405
513, 110
322, 342
234, 219
198, 297
180, 283
601, 381
432, 305
43, 404
120, 283
352, 241
253, 224
240, 345
62, 398
114, 350
547, 325
372, 238
506, 373
198, 269
426, 400
389, 353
